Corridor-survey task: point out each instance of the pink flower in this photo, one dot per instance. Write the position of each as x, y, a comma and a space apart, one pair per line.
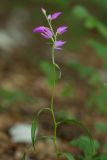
62, 29
47, 34
59, 44
45, 31
54, 15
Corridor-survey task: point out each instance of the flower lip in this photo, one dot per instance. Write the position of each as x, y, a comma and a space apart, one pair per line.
54, 15
61, 29
45, 35
45, 31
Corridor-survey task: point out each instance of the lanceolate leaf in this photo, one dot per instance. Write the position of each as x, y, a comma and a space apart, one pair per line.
83, 143
34, 131
68, 156
34, 125
76, 122
43, 110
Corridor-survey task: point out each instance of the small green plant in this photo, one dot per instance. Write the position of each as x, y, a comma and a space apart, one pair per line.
85, 149
83, 143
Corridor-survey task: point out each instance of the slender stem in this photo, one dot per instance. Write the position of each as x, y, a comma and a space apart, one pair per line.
52, 101
54, 38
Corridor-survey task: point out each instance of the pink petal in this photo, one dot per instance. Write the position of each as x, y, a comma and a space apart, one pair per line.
59, 43
62, 29
39, 29
55, 15
45, 36
58, 48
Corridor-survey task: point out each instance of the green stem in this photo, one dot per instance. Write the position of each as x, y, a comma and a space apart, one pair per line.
54, 38
52, 101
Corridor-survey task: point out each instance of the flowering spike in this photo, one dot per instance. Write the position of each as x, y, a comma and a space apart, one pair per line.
49, 33
61, 29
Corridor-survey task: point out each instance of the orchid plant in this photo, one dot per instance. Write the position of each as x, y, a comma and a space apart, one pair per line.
50, 34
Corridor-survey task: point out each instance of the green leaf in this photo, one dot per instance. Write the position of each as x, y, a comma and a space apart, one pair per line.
91, 22
68, 156
83, 143
34, 131
43, 110
76, 122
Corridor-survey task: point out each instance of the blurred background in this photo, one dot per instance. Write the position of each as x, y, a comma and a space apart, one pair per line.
26, 77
